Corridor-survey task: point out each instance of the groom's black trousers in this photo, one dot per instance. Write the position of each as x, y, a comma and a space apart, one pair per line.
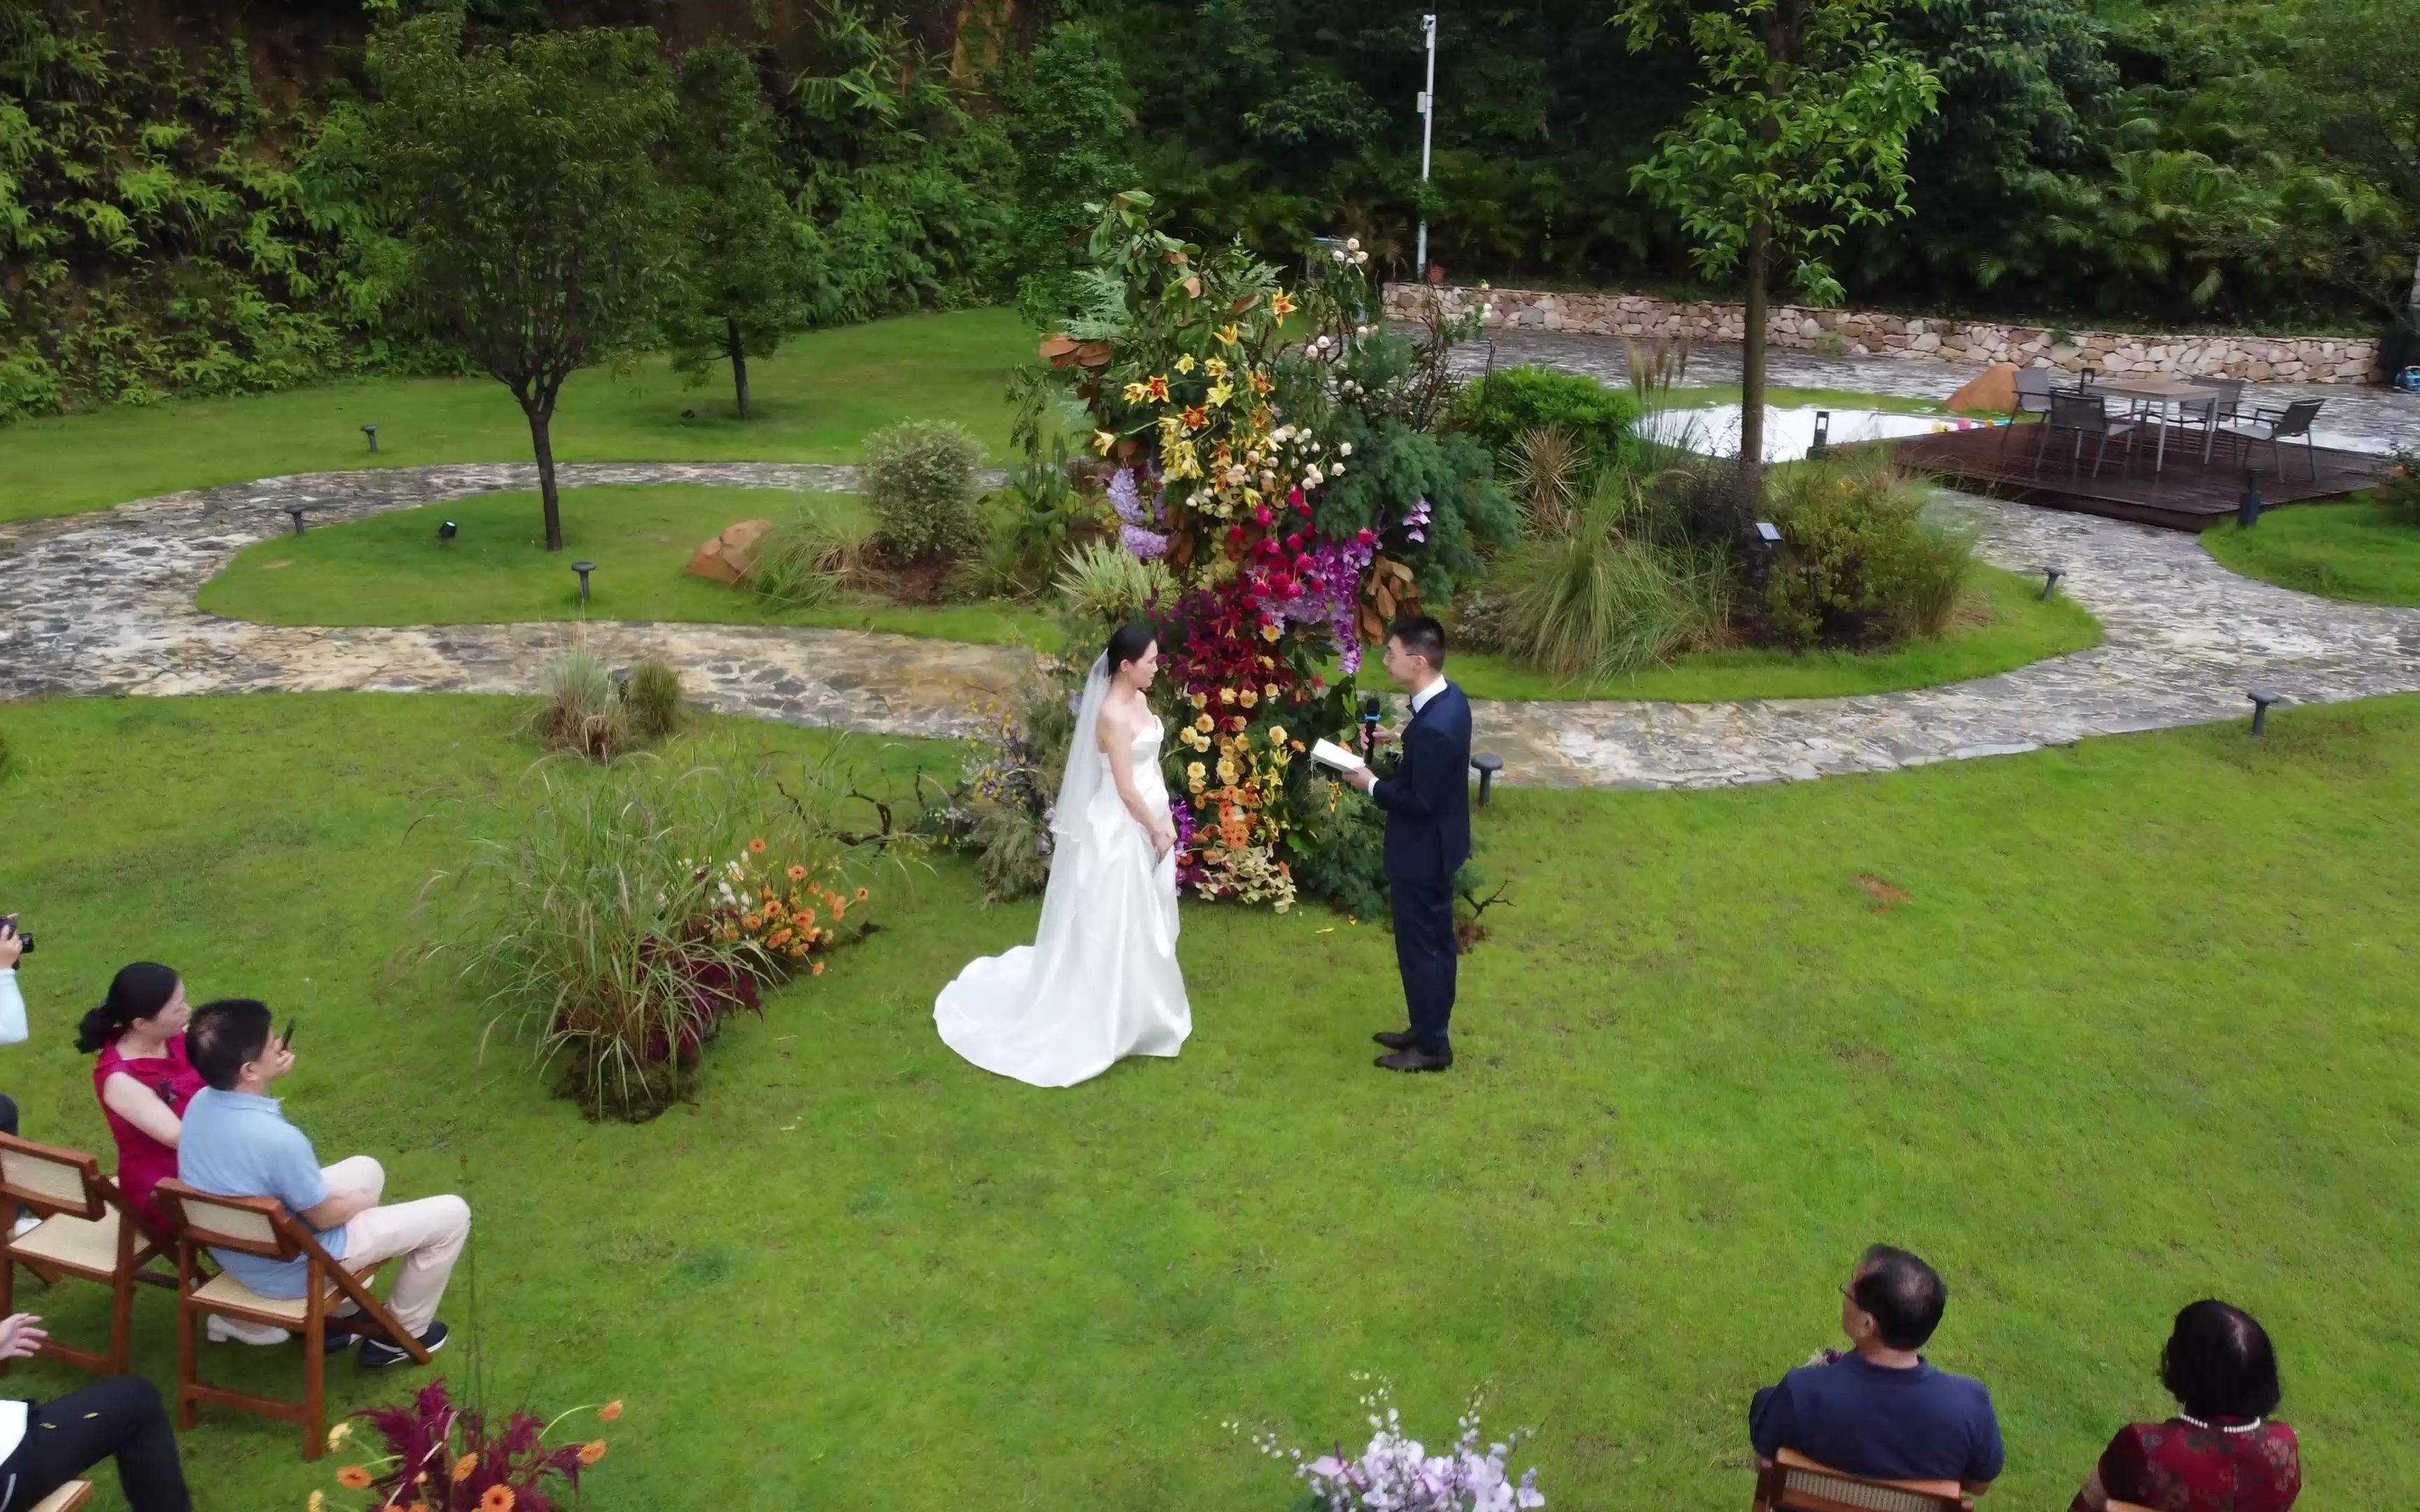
1424, 951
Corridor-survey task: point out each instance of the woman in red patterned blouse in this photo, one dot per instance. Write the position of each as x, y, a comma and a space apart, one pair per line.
2221, 1452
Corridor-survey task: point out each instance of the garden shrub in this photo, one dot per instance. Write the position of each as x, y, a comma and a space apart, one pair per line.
1859, 566
652, 704
1607, 597
918, 482
1033, 522
2400, 490
814, 556
1501, 407
578, 714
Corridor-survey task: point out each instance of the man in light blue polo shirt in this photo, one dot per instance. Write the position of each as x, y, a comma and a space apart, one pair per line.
236, 1143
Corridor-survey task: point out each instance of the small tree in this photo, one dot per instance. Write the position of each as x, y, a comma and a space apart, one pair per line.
757, 278
538, 230
1801, 130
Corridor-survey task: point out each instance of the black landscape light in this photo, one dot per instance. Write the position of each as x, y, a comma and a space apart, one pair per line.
1486, 764
2260, 703
448, 530
371, 431
2247, 510
1768, 540
295, 513
583, 568
2050, 582
1823, 435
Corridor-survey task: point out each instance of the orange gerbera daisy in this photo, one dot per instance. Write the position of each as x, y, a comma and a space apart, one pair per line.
861, 895
610, 1412
499, 1499
592, 1451
756, 847
779, 938
839, 910
798, 873
353, 1478
464, 1468
817, 969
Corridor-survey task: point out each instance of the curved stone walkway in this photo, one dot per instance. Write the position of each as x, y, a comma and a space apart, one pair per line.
104, 604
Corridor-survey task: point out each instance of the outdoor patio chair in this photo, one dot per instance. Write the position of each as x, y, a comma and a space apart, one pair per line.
2230, 395
88, 1230
1790, 1482
2035, 386
2085, 414
2277, 428
2201, 416
262, 1226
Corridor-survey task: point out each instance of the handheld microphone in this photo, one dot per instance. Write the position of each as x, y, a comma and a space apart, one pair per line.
1369, 724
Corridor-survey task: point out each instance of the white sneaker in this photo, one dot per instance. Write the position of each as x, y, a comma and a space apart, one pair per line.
222, 1330
26, 1222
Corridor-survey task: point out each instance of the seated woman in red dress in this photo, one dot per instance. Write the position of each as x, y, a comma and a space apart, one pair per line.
144, 1083
2221, 1452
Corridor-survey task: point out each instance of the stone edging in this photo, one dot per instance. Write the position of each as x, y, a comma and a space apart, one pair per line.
1864, 332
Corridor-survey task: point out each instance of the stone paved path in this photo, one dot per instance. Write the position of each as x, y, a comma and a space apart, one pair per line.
104, 604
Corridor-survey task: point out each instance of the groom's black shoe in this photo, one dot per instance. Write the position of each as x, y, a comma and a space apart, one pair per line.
1413, 1059
1396, 1038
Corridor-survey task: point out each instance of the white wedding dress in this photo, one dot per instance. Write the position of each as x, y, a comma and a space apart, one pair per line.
1100, 982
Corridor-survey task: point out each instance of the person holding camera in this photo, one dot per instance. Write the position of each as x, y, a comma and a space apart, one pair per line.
13, 1031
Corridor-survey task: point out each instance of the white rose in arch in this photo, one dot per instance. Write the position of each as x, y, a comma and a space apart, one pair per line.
1344, 448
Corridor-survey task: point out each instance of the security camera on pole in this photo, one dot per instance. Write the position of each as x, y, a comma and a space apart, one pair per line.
1426, 103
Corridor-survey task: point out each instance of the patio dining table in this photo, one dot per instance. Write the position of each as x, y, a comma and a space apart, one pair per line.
2157, 394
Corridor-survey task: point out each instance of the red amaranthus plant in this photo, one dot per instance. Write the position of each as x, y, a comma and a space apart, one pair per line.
445, 1457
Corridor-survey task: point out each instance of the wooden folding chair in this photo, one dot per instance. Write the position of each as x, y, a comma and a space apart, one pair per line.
68, 1498
262, 1226
88, 1228
1790, 1482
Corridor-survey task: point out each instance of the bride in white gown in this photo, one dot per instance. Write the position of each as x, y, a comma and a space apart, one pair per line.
1099, 982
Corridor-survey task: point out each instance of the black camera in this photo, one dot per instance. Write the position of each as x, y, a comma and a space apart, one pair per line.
24, 941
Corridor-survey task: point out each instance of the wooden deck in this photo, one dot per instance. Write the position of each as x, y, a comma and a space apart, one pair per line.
2185, 496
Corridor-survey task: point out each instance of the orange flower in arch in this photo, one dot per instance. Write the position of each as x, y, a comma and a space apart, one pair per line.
499, 1499
464, 1468
592, 1451
756, 847
353, 1478
608, 1412
1158, 388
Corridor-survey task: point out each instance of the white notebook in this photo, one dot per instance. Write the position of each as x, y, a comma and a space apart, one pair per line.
1328, 753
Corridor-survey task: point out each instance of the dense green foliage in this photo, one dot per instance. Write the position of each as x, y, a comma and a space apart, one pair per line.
176, 218
1502, 408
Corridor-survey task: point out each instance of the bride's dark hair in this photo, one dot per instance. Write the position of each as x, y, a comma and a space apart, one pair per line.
1127, 643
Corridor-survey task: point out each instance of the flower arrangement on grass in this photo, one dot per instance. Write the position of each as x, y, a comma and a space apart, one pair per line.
781, 912
445, 1457
1264, 446
1397, 1474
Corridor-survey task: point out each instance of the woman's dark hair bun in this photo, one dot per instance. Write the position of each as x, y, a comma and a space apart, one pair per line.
137, 992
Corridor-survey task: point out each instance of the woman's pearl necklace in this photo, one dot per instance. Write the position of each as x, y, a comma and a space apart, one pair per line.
2253, 1426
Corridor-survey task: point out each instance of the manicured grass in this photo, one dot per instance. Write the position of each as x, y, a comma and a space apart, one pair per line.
1784, 399
2013, 1013
2354, 550
392, 569
2006, 626
813, 402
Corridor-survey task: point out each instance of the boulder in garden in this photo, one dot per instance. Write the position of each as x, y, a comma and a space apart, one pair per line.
725, 558
1995, 392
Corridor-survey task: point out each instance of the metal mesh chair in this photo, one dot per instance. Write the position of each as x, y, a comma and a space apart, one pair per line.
2278, 426
2084, 414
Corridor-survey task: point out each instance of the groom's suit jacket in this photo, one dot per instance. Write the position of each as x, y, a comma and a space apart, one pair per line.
1428, 800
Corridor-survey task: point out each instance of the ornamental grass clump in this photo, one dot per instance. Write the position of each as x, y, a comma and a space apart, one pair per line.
630, 910
579, 714
1607, 596
652, 703
813, 557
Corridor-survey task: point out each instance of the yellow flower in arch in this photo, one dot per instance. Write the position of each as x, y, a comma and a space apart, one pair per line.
1230, 334
1282, 304
1185, 364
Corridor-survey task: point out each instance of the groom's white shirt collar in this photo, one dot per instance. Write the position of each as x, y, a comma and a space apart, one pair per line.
1421, 699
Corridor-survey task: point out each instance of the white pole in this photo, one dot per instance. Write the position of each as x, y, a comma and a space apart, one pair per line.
1427, 103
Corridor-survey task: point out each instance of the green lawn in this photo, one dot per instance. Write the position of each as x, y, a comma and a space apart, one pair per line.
2132, 1025
813, 402
2354, 550
392, 569
2006, 626
1785, 398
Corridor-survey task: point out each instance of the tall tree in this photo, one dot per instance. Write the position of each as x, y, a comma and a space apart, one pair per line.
1068, 127
538, 230
757, 275
1799, 131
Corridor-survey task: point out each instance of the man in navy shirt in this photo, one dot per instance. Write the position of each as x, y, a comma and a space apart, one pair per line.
1881, 1411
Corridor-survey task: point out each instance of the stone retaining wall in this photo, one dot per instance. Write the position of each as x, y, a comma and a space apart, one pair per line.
1864, 332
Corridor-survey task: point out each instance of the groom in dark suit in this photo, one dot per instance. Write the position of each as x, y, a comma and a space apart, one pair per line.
1428, 838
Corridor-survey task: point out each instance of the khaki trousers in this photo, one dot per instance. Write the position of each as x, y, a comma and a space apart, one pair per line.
429, 1235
